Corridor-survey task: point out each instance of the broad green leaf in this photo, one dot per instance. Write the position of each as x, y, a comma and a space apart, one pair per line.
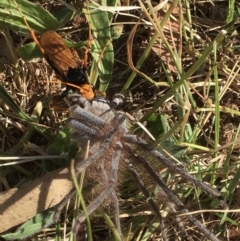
32, 226
64, 15
157, 125
110, 3
102, 49
29, 51
38, 18
104, 62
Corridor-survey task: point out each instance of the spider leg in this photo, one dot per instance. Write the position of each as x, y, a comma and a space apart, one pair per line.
103, 148
108, 190
171, 196
86, 163
142, 187
80, 167
116, 212
61, 205
114, 200
86, 117
113, 178
174, 168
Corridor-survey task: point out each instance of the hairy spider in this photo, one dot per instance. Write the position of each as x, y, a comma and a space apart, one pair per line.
112, 149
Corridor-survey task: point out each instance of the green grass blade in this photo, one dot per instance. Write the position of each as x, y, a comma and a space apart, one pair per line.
231, 11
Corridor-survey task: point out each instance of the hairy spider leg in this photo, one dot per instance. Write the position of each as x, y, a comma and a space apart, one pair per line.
85, 164
109, 188
150, 200
173, 198
174, 168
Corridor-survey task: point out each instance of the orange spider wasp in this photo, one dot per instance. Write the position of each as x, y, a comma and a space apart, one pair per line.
65, 62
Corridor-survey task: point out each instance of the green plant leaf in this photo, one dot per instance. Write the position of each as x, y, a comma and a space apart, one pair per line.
64, 15
32, 226
157, 125
29, 51
38, 18
104, 63
102, 48
175, 150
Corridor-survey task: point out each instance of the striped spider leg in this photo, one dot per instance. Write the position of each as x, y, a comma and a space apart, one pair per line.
112, 149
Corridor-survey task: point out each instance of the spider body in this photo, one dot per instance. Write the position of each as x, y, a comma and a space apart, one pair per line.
113, 149
96, 134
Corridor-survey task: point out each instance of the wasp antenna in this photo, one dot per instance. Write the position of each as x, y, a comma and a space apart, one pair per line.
32, 33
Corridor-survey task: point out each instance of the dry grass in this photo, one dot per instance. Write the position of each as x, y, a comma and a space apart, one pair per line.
184, 104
